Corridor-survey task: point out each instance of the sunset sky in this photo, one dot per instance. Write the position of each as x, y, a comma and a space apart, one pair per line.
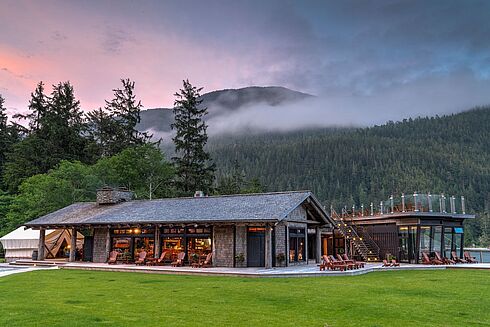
346, 48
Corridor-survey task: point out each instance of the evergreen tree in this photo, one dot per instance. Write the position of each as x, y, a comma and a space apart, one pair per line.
56, 132
102, 129
117, 130
194, 168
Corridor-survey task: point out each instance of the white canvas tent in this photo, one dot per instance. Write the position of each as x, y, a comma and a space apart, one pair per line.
20, 243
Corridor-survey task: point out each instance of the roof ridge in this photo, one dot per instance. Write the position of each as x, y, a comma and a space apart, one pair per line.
225, 195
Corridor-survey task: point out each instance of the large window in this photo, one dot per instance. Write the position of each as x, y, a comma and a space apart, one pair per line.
195, 241
436, 238
448, 241
296, 244
404, 243
129, 242
424, 240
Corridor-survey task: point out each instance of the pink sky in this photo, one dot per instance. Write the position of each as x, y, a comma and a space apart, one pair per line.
62, 42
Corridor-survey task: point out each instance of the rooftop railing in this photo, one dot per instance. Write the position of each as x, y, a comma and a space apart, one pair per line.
416, 202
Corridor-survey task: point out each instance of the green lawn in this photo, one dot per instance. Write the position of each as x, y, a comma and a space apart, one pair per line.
392, 298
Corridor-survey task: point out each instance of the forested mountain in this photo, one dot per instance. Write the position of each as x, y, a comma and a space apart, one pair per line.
223, 102
449, 154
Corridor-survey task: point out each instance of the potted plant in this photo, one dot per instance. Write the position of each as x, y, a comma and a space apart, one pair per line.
239, 258
280, 258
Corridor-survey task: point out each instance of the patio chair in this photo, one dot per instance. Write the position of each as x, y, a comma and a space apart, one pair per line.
141, 258
394, 263
428, 261
207, 263
179, 261
340, 263
350, 264
469, 258
112, 257
333, 266
386, 263
443, 259
455, 257
360, 264
157, 261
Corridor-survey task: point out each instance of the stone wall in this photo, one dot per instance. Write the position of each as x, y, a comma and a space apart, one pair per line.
241, 244
280, 243
100, 250
223, 246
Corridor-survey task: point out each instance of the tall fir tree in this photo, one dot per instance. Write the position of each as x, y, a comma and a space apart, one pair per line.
117, 130
56, 132
194, 168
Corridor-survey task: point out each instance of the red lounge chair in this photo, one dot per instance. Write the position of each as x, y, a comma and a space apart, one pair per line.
331, 266
360, 264
469, 258
141, 258
207, 262
157, 261
444, 260
394, 263
386, 263
350, 264
179, 261
455, 257
112, 257
429, 261
340, 263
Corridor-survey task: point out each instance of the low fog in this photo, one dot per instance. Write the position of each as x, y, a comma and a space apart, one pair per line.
436, 96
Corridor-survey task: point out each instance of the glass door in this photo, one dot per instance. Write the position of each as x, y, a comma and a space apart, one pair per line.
404, 249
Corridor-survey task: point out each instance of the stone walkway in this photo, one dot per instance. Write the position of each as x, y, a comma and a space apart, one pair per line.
311, 270
6, 270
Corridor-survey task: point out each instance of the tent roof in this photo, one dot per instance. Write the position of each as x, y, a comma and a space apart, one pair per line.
22, 233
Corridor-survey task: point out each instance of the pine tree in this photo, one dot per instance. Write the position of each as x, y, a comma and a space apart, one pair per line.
125, 112
194, 168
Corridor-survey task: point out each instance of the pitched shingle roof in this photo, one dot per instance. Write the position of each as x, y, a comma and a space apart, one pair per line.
249, 207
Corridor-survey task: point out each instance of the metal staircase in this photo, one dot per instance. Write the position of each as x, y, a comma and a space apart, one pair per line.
359, 238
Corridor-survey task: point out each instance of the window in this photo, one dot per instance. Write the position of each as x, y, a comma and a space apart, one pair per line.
436, 238
448, 241
296, 244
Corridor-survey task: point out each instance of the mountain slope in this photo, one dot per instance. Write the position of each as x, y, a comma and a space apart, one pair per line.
223, 102
449, 154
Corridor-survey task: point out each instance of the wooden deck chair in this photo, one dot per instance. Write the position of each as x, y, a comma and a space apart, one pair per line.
336, 262
334, 265
350, 264
112, 257
207, 262
179, 261
443, 259
469, 258
428, 261
455, 257
141, 258
394, 263
386, 263
360, 264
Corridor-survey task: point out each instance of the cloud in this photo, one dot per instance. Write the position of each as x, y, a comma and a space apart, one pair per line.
431, 96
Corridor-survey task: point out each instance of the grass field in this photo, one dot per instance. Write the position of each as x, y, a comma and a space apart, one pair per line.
397, 298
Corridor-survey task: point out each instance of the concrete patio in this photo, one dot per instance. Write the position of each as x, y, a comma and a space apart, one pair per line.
311, 270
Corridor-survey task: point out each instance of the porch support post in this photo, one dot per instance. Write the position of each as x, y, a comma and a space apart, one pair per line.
40, 247
108, 243
318, 245
157, 242
73, 245
268, 247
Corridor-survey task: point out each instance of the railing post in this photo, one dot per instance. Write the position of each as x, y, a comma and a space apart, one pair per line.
362, 210
429, 199
440, 203
403, 202
381, 206
415, 197
372, 209
443, 203
462, 205
391, 203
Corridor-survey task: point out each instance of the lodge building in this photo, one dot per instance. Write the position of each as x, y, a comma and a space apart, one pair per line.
255, 230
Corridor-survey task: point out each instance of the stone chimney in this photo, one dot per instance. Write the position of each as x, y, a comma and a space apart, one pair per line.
109, 195
199, 194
